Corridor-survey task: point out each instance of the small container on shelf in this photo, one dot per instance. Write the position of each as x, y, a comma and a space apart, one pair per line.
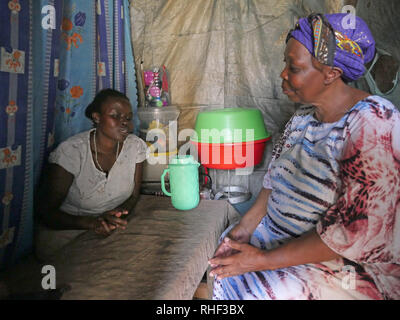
158, 126
156, 87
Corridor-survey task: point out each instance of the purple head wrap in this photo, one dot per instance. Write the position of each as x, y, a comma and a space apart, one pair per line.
331, 44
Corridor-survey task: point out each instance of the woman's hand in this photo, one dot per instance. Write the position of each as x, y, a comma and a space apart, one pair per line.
238, 233
245, 258
110, 221
243, 231
100, 226
115, 218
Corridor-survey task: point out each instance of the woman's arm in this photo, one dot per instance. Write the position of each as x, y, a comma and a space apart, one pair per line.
130, 203
118, 217
309, 248
234, 256
253, 217
57, 184
244, 229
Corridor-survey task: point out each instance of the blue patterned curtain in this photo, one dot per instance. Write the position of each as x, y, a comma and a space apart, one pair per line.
47, 78
16, 110
95, 53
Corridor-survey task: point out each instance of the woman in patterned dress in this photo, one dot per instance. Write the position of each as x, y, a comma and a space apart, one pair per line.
326, 224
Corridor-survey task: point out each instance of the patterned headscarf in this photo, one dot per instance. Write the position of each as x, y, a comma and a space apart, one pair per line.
331, 44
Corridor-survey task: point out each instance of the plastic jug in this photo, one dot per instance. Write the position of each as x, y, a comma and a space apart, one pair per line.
184, 182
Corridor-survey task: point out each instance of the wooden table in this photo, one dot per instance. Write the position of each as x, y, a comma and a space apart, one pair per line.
162, 254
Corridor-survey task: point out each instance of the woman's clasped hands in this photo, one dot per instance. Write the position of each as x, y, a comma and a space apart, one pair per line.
235, 256
110, 221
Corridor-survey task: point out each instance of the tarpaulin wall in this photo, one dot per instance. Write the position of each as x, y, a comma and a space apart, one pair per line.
221, 53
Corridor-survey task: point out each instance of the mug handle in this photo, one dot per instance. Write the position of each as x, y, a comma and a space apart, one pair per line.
163, 183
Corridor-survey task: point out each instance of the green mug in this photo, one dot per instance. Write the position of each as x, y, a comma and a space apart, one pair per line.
183, 181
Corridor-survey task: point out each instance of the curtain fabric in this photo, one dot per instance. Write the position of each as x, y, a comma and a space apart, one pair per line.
47, 78
16, 120
95, 53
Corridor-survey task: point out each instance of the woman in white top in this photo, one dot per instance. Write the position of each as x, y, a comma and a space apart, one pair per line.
94, 177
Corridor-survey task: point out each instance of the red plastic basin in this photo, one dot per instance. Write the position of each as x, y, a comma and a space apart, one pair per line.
230, 155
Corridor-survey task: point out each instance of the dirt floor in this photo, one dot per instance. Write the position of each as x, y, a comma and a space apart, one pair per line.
23, 281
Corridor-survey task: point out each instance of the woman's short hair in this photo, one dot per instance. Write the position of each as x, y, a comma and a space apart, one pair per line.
100, 98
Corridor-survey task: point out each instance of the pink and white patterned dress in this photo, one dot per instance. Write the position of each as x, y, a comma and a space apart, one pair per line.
343, 179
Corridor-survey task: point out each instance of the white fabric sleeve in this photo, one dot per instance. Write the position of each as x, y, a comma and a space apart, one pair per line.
141, 150
67, 155
267, 179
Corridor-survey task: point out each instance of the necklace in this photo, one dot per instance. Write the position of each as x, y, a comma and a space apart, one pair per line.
95, 152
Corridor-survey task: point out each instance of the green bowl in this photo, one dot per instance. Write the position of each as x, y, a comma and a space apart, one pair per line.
229, 125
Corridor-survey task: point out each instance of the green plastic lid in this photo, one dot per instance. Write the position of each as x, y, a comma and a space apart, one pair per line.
182, 160
230, 125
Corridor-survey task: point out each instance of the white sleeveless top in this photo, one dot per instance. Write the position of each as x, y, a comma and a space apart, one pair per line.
92, 192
